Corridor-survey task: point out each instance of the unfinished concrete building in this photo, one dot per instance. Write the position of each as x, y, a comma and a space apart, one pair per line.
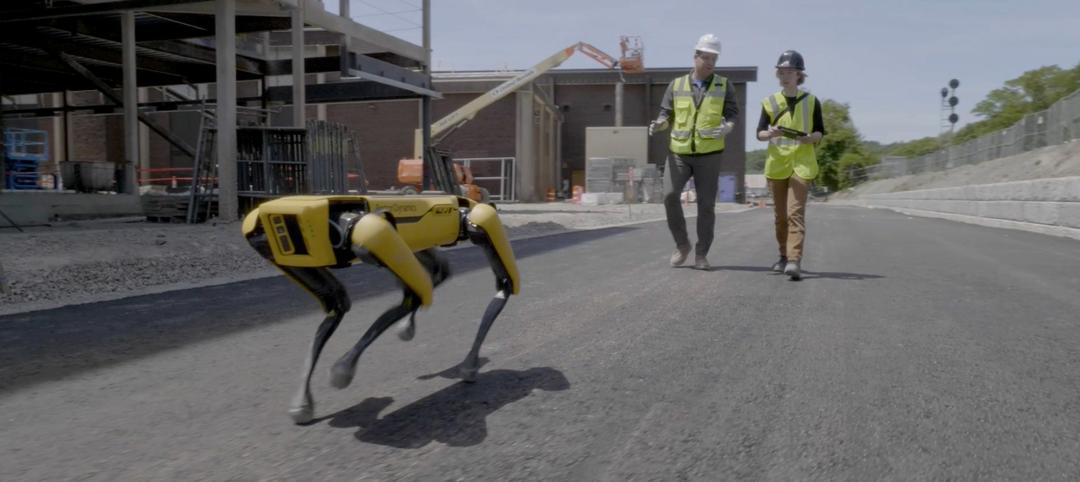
86, 72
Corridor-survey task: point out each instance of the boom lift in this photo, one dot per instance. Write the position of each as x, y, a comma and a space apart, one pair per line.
457, 179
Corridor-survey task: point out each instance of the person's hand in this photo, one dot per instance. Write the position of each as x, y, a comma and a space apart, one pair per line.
773, 132
809, 139
718, 132
658, 125
725, 128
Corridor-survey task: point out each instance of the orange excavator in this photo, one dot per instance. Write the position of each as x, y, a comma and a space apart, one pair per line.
454, 177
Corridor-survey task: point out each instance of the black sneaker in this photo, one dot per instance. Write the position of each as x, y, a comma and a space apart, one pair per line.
701, 262
780, 264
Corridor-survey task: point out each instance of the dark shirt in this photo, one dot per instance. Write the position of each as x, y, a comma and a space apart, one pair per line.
818, 123
731, 106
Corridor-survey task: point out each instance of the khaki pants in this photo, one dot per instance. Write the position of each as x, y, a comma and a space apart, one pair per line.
789, 196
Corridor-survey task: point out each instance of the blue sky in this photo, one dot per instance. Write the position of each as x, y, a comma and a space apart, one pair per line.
887, 60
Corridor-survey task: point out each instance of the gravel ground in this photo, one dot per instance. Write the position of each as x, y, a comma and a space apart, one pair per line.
88, 261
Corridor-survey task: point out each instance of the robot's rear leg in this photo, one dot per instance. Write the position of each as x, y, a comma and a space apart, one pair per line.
375, 239
439, 268
341, 374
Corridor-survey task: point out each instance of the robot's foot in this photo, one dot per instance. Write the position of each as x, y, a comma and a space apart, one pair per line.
341, 374
302, 414
406, 329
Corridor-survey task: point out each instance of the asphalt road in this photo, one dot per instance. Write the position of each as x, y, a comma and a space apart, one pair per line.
913, 349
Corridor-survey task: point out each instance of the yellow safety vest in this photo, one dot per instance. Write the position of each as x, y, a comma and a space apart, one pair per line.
690, 119
787, 156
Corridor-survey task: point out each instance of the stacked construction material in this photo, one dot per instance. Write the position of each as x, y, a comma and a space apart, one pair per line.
598, 174
621, 180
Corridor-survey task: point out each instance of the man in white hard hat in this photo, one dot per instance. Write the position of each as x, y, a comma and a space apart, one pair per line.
701, 109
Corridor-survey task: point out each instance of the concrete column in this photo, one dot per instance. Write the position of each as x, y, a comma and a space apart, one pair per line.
320, 109
144, 140
552, 135
57, 147
525, 148
425, 101
618, 103
299, 101
131, 102
67, 127
225, 143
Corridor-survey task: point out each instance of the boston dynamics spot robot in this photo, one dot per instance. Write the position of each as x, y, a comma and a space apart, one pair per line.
306, 236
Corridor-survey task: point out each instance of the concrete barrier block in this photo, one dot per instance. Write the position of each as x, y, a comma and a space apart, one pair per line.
967, 208
1011, 210
1069, 214
1041, 212
590, 199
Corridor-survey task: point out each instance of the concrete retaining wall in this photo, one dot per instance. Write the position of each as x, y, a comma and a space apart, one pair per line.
1047, 202
29, 208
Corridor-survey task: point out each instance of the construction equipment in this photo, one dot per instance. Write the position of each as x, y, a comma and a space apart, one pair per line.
630, 62
24, 151
410, 173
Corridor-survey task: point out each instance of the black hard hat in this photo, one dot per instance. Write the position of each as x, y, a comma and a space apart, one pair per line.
791, 59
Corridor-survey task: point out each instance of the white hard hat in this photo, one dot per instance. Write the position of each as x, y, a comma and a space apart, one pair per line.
708, 43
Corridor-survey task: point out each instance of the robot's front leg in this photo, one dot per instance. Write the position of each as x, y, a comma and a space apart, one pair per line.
486, 231
375, 238
335, 301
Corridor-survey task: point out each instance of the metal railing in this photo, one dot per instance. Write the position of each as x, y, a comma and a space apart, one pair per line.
1058, 124
506, 180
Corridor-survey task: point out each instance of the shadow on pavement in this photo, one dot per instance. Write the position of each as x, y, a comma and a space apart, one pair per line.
806, 274
456, 415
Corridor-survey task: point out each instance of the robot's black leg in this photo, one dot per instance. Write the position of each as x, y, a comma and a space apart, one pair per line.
504, 288
472, 361
341, 374
439, 268
335, 301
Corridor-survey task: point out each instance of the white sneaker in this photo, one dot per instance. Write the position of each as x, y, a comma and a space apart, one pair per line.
793, 271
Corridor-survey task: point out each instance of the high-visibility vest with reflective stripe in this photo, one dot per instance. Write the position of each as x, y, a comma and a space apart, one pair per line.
787, 156
691, 120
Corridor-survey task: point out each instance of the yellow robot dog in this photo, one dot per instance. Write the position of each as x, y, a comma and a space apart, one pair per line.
305, 236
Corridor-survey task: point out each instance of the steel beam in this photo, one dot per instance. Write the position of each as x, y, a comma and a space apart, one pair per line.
108, 91
206, 55
45, 13
355, 91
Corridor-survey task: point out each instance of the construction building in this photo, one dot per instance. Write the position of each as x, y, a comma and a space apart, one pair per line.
118, 88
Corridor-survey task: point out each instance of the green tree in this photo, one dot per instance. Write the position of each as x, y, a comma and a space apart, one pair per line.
915, 148
1032, 91
755, 161
842, 138
852, 167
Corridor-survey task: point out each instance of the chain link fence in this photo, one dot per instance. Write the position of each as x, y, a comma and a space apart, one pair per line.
1056, 125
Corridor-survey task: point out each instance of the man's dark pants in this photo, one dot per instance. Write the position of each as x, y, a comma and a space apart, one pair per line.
705, 169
